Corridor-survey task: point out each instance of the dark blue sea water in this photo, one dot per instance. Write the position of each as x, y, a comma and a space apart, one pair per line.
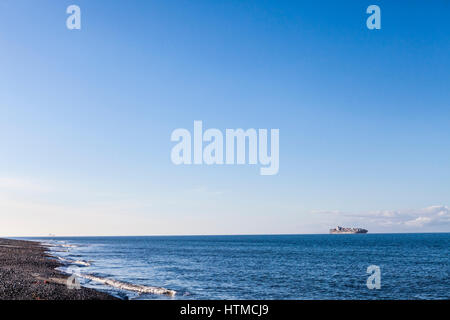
413, 266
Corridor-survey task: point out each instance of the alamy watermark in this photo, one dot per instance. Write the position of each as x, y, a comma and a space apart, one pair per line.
73, 22
374, 280
235, 147
73, 283
374, 20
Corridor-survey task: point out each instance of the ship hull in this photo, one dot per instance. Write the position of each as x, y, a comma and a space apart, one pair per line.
348, 232
341, 230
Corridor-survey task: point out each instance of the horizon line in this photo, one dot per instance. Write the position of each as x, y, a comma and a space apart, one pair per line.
208, 235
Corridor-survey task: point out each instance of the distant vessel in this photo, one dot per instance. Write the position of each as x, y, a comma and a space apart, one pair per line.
341, 230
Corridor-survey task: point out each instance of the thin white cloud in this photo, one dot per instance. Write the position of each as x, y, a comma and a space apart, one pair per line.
206, 191
8, 184
419, 222
417, 218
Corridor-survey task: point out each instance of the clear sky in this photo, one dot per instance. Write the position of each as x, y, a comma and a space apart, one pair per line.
86, 116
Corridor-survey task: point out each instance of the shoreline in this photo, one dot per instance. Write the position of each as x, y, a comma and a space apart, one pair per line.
28, 272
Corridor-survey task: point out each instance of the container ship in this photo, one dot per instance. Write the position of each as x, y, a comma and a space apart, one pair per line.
341, 230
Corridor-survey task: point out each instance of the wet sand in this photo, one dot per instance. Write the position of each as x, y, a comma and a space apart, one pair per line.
27, 272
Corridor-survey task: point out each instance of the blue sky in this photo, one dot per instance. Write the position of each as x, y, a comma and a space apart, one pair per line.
86, 116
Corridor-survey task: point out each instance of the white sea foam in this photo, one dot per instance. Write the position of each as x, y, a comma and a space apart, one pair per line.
76, 262
110, 282
58, 245
129, 286
48, 244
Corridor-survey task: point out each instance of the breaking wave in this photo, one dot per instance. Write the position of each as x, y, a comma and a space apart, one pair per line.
76, 262
129, 286
69, 246
121, 285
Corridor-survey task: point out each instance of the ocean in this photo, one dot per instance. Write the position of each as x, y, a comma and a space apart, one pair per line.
412, 266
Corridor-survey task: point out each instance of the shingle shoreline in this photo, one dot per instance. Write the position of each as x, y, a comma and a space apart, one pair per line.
28, 273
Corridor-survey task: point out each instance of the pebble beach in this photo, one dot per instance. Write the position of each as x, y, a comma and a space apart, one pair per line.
27, 272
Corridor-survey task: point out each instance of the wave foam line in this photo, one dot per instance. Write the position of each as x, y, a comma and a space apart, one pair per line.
129, 286
68, 246
58, 244
77, 262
